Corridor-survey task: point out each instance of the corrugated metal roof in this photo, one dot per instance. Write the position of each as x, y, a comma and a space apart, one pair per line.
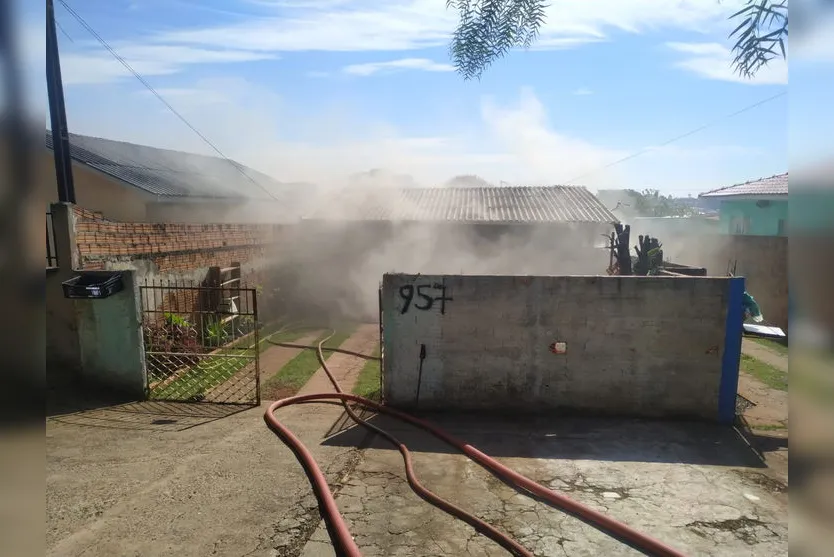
773, 185
472, 205
168, 173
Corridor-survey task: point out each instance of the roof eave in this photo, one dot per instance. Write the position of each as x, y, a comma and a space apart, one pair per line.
745, 196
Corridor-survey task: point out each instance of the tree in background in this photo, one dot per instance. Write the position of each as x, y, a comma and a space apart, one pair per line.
488, 29
467, 181
651, 203
646, 203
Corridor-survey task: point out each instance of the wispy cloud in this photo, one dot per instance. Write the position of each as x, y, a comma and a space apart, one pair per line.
262, 29
516, 141
582, 92
419, 64
359, 25
548, 155
714, 61
95, 65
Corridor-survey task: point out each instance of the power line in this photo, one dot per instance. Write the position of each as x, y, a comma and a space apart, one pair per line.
683, 135
150, 88
64, 31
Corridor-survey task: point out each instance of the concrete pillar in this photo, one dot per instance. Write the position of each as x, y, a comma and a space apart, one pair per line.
110, 341
63, 359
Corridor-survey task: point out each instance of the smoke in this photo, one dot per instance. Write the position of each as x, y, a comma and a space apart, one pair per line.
336, 266
333, 264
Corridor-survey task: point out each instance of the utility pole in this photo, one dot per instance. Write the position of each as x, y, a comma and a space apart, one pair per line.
57, 111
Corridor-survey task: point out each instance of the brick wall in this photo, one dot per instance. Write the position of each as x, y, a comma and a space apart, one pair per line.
634, 346
171, 248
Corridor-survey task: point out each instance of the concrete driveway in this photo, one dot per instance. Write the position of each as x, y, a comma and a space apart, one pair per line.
130, 480
696, 487
159, 484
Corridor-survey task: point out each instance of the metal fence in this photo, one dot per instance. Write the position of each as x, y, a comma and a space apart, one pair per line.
201, 340
51, 249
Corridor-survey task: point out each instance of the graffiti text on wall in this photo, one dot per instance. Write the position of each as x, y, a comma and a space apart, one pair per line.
427, 295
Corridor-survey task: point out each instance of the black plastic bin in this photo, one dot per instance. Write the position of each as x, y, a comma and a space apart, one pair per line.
93, 285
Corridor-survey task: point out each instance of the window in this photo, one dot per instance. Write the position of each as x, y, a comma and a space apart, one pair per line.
739, 225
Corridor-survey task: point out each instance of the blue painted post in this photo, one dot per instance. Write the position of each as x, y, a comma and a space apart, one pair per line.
731, 358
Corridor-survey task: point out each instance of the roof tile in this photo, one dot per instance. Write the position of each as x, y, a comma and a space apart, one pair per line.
168, 173
773, 185
524, 204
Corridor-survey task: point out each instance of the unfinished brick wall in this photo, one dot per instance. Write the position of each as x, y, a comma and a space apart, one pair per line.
174, 254
172, 248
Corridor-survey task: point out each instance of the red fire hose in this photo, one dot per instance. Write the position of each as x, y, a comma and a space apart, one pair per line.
340, 534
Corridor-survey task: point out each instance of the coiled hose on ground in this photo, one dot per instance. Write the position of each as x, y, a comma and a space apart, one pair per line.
337, 528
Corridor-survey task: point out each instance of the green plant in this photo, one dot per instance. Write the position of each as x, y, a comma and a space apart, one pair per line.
767, 374
175, 320
367, 384
488, 29
216, 332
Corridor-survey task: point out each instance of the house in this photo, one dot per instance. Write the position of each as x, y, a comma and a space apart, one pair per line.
756, 208
137, 183
363, 233
754, 242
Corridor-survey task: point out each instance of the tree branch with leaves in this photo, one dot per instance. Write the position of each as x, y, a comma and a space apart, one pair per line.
764, 27
488, 29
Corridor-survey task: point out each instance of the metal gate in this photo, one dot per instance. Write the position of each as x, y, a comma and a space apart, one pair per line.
201, 340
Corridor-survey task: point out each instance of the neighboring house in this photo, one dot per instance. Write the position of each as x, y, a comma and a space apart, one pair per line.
136, 183
364, 233
754, 222
755, 208
476, 205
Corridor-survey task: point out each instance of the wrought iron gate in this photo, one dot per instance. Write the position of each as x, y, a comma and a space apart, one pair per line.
201, 340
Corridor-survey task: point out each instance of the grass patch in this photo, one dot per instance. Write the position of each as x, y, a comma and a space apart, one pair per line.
213, 370
298, 371
769, 375
207, 374
367, 385
774, 345
770, 427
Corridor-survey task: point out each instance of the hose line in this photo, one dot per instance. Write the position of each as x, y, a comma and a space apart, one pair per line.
339, 533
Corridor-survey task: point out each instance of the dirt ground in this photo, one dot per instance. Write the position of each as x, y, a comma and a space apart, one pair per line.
276, 357
151, 480
163, 479
154, 478
765, 420
345, 368
765, 354
766, 423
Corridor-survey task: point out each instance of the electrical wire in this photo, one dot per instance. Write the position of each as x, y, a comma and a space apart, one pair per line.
153, 91
681, 136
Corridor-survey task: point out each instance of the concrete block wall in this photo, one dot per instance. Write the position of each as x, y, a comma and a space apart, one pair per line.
633, 346
763, 262
110, 341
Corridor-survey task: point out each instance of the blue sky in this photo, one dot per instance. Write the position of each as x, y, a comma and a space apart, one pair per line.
307, 90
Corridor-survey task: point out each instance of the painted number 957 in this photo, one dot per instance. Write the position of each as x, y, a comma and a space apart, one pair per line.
427, 295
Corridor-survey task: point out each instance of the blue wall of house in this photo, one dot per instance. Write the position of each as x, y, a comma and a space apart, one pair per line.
759, 221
